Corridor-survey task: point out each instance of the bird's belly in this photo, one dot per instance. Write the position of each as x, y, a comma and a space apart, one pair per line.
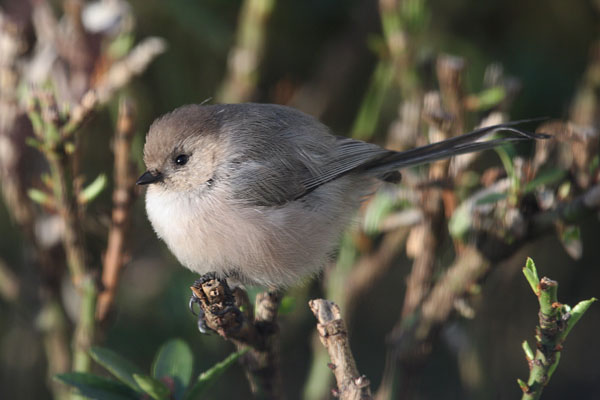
271, 246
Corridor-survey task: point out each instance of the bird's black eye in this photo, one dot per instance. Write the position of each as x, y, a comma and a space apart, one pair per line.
181, 159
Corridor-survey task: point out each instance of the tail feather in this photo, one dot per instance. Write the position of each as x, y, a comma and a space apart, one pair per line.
462, 144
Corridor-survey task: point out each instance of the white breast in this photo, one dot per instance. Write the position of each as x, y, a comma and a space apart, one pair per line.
271, 246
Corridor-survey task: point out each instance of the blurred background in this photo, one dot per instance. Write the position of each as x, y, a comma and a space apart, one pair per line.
364, 68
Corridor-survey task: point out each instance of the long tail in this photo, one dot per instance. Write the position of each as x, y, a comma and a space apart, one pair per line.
462, 144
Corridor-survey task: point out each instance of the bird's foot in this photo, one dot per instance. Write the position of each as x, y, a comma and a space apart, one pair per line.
202, 327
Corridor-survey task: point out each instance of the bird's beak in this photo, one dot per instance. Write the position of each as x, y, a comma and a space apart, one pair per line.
149, 177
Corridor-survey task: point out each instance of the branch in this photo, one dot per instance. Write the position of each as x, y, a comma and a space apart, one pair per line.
246, 55
410, 342
555, 322
334, 336
229, 313
123, 198
119, 75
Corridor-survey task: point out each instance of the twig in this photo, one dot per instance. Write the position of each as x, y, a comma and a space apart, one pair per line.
450, 71
334, 336
229, 313
123, 197
262, 365
53, 324
410, 341
466, 270
246, 55
555, 322
12, 45
119, 75
46, 122
136, 62
372, 266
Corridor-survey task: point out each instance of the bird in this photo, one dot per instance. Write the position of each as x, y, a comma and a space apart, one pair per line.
261, 193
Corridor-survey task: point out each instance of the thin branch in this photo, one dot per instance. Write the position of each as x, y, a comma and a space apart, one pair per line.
123, 198
466, 270
334, 336
119, 75
372, 266
46, 122
12, 45
555, 322
244, 58
262, 365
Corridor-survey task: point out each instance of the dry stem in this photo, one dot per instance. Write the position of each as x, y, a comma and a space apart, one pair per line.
123, 197
351, 385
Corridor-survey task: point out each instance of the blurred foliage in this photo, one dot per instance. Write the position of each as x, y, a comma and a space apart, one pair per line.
170, 379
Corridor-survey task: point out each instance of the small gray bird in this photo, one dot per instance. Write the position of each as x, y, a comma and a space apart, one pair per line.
262, 192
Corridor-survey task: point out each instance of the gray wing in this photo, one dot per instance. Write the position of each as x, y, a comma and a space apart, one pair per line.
286, 174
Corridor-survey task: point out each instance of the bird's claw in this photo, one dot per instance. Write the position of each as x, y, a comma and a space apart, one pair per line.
193, 300
202, 327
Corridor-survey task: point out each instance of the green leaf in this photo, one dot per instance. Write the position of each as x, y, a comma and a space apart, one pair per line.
120, 367
531, 275
37, 122
545, 178
571, 240
369, 112
381, 205
174, 360
39, 196
576, 314
490, 97
120, 46
564, 190
153, 387
594, 164
33, 142
522, 385
528, 352
552, 368
460, 222
491, 198
96, 387
209, 376
571, 233
91, 191
507, 163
